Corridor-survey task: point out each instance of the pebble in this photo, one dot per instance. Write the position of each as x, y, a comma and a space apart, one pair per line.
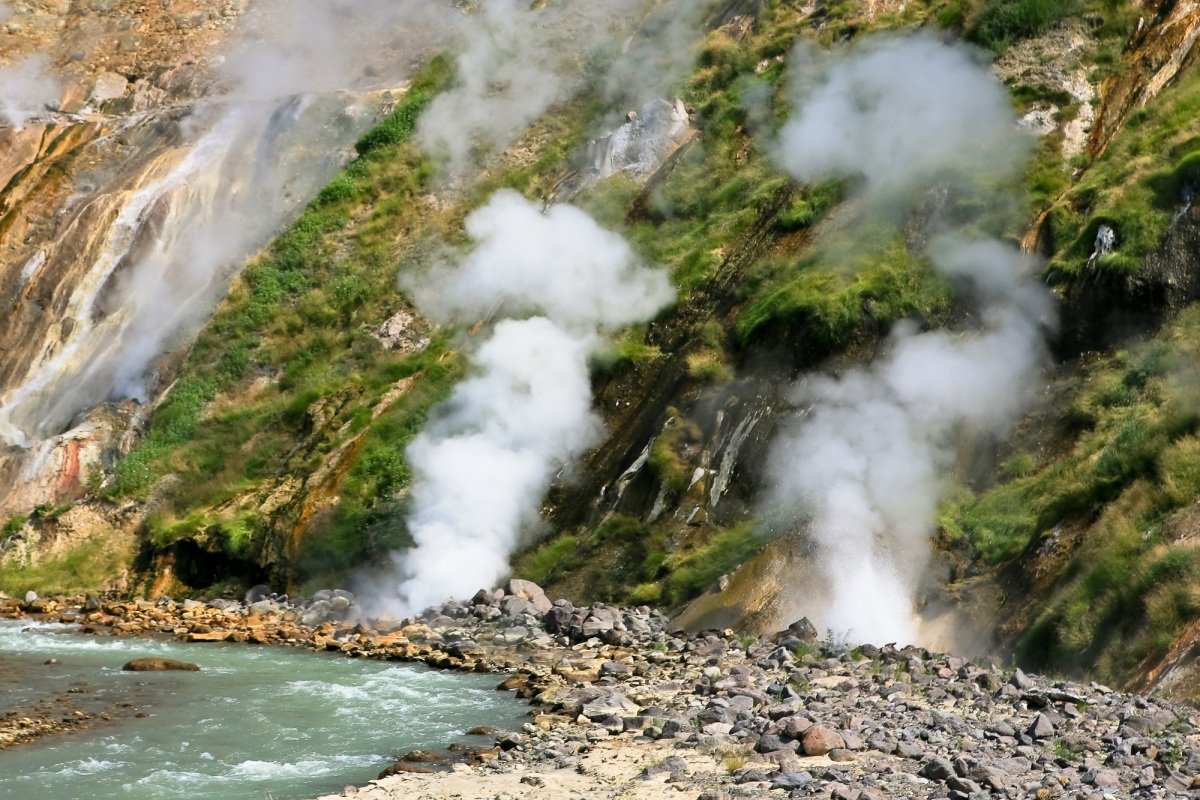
793, 716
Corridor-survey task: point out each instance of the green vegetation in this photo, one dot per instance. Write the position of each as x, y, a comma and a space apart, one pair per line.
1002, 22
841, 292
1135, 187
1127, 483
89, 566
626, 560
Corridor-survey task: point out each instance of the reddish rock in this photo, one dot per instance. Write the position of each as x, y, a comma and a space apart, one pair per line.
819, 740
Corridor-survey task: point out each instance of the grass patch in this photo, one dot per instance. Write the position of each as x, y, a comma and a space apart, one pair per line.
1135, 187
1133, 464
87, 568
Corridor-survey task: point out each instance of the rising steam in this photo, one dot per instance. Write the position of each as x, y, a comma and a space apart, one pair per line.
865, 465
517, 59
276, 127
483, 465
25, 89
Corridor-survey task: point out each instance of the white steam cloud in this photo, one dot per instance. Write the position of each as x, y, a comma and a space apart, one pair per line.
276, 130
899, 114
863, 469
25, 89
517, 60
868, 461
483, 465
288, 106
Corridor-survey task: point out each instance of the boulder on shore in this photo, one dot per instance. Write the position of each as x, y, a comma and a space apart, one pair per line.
159, 665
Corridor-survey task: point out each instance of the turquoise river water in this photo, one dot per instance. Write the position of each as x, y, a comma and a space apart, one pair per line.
256, 723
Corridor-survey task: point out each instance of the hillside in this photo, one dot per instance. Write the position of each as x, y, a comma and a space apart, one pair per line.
272, 446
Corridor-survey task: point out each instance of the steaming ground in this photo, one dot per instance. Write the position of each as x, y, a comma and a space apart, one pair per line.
25, 89
862, 468
481, 468
277, 127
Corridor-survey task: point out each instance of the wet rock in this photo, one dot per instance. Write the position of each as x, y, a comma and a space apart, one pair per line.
159, 665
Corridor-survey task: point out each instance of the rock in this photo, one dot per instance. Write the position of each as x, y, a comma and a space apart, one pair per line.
317, 612
263, 607
640, 145
771, 743
801, 629
614, 669
792, 780
841, 755
31, 596
419, 756
819, 740
255, 593
610, 704
937, 769
1021, 681
159, 665
526, 590
1041, 727
404, 766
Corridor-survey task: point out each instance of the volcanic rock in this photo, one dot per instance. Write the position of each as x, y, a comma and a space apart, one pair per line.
159, 665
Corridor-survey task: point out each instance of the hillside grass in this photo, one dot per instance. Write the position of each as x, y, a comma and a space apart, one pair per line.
1133, 468
626, 560
1135, 187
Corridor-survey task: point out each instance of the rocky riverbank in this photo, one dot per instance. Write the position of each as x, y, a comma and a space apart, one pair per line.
625, 706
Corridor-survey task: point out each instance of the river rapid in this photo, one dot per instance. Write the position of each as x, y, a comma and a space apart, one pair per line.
253, 723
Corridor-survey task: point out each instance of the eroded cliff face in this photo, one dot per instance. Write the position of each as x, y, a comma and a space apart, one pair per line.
127, 204
126, 73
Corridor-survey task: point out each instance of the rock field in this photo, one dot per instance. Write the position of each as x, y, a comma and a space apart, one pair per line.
623, 705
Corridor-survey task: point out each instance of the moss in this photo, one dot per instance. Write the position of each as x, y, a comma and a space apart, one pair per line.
1135, 187
665, 460
693, 571
833, 296
1132, 461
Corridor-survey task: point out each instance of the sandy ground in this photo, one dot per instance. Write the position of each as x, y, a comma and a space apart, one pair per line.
609, 771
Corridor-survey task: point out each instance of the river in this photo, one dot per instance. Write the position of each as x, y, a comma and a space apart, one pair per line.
253, 723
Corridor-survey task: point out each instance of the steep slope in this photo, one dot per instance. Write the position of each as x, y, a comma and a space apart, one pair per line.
278, 452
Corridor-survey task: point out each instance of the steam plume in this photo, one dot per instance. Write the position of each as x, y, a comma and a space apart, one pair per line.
484, 463
278, 126
276, 131
517, 61
899, 114
867, 463
25, 88
862, 470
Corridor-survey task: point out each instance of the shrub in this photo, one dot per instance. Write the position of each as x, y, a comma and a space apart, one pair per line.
1002, 22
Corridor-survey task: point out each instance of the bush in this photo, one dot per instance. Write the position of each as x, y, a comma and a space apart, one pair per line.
1003, 22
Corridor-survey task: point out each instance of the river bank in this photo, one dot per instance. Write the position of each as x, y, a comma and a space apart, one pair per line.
622, 705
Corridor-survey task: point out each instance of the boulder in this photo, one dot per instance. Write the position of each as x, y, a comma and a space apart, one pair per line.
610, 704
819, 740
159, 665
